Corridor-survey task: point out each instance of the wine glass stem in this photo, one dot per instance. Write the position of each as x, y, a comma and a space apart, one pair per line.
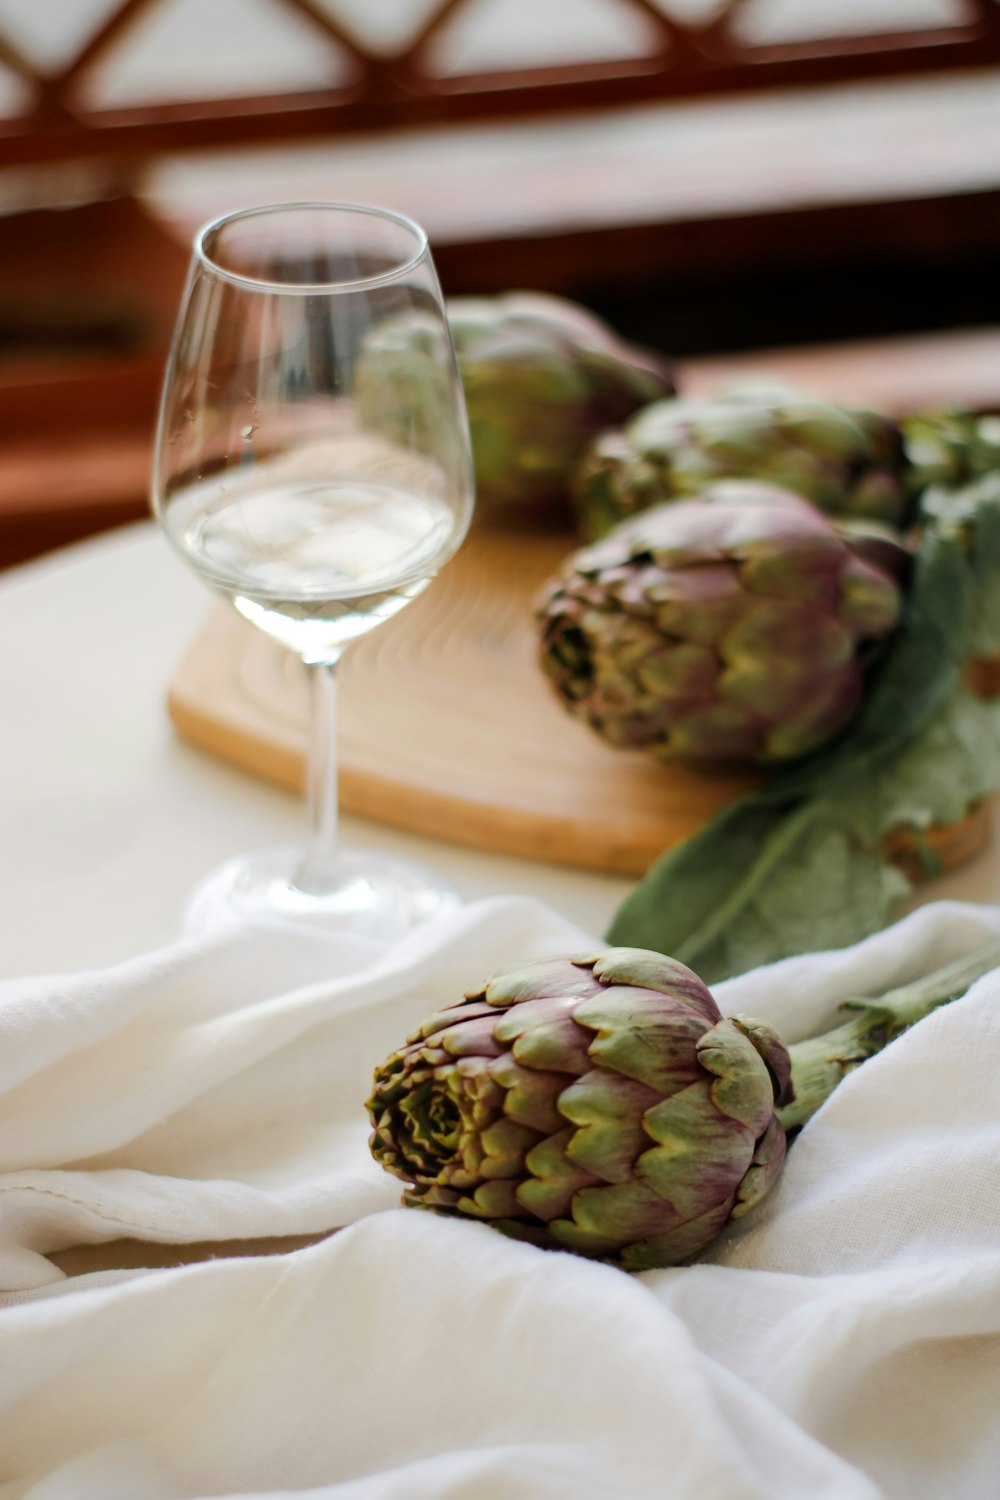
316, 873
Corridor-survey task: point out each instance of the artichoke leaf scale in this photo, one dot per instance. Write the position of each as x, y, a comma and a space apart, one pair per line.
665, 1063
556, 979
607, 1217
812, 575
869, 604
466, 1168
771, 1049
686, 673
793, 709
525, 1014
506, 1144
765, 687
721, 732
555, 1177
741, 1087
700, 1156
530, 1018
482, 1112
456, 1176
470, 1074
762, 1173
471, 1036
648, 970
652, 1044
730, 434
530, 1095
820, 713
428, 1060
470, 1008
492, 1200
442, 1199
698, 604
799, 636
757, 517
559, 1044
828, 431
607, 1110
679, 1244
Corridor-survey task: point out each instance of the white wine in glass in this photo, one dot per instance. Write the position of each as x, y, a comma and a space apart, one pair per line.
313, 466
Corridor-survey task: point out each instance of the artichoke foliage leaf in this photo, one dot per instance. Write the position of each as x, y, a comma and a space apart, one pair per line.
801, 864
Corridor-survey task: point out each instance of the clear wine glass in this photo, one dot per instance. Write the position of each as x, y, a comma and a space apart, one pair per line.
313, 466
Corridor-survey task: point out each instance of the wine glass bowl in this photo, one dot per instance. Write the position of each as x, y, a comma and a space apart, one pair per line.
316, 496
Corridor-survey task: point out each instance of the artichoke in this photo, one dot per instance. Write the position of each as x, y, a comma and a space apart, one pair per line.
734, 627
950, 449
541, 376
595, 1104
603, 1105
845, 460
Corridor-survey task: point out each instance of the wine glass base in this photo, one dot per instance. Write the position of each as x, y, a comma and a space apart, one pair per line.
366, 895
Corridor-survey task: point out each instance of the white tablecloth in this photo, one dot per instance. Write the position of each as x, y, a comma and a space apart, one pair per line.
843, 1342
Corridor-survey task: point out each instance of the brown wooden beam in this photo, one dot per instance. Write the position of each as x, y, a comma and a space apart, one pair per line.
398, 97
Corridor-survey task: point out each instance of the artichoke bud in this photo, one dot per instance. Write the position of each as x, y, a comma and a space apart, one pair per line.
598, 1104
950, 449
541, 376
733, 627
845, 460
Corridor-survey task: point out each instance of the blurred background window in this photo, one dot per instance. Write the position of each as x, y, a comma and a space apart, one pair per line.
712, 176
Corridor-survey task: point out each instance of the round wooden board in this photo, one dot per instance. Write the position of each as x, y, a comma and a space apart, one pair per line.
448, 726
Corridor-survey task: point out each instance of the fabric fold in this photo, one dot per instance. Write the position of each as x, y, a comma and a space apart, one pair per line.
841, 1342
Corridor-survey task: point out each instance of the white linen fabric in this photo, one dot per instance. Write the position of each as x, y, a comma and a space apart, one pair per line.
843, 1341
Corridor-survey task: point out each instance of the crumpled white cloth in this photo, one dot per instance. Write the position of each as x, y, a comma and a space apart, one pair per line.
843, 1342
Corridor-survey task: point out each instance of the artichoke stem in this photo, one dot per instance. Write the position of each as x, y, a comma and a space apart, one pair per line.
819, 1063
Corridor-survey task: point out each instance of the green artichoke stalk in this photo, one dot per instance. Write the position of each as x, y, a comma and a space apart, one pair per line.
845, 460
596, 1104
603, 1104
541, 376
735, 627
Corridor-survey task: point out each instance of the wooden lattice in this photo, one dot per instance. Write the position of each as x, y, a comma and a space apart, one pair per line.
399, 88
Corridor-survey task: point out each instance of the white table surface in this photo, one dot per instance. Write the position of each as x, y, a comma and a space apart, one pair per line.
107, 819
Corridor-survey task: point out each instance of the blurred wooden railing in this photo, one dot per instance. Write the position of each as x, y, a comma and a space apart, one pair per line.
717, 53
87, 294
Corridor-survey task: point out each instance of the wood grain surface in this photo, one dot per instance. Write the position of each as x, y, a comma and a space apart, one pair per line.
448, 726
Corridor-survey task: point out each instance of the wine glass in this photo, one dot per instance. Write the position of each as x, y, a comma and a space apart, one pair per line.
313, 465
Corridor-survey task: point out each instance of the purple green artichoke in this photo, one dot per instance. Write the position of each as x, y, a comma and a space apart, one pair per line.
541, 376
604, 1105
601, 1105
735, 627
845, 460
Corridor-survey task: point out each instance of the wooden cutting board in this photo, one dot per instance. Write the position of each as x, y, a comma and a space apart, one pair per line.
448, 726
